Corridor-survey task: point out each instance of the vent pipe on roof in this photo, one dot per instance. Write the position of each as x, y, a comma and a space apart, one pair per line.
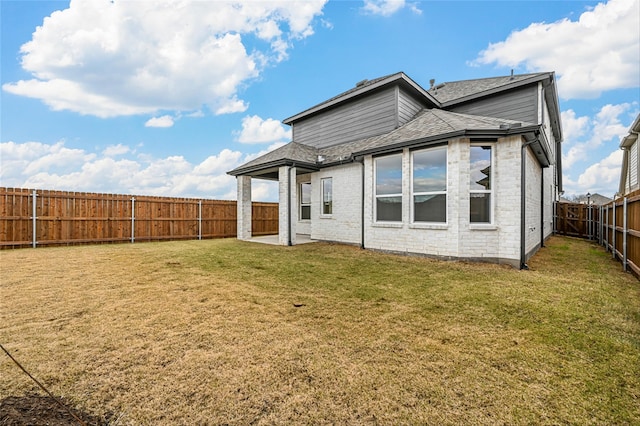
432, 82
511, 74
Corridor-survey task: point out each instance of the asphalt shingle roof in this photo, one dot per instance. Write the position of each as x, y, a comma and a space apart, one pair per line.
428, 123
451, 91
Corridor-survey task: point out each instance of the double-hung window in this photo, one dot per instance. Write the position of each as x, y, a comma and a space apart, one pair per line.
388, 181
305, 201
429, 185
481, 184
327, 196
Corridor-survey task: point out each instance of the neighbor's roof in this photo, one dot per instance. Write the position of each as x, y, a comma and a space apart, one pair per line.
630, 138
428, 126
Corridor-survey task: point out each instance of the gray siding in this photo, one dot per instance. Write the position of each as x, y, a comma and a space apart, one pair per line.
370, 116
407, 107
520, 105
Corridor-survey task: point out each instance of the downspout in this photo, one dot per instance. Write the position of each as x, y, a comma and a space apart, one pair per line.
289, 206
523, 203
542, 209
362, 206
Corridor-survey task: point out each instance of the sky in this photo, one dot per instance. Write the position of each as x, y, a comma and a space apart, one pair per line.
164, 97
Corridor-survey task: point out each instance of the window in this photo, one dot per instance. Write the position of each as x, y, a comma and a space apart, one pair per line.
429, 186
388, 175
305, 201
327, 196
481, 184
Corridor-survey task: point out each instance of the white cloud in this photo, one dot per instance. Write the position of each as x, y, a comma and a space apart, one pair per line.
598, 52
602, 177
584, 134
115, 150
257, 130
110, 58
163, 121
54, 166
388, 7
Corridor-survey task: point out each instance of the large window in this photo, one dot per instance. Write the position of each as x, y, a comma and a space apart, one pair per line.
429, 185
327, 196
388, 171
481, 184
305, 201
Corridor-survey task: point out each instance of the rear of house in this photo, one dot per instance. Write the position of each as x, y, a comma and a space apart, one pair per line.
463, 170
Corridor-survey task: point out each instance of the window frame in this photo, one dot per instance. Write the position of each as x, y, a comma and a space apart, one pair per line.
302, 203
324, 202
376, 196
445, 147
490, 191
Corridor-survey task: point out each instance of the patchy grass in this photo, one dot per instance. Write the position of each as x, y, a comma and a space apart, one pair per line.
222, 331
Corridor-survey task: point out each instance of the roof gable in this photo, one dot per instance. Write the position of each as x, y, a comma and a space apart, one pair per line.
363, 88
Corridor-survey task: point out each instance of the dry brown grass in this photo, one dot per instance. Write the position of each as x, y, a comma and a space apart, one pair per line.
225, 332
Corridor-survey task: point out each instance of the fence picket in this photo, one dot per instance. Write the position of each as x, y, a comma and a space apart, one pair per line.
35, 218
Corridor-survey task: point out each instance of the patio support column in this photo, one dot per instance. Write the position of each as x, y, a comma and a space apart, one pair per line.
287, 212
244, 207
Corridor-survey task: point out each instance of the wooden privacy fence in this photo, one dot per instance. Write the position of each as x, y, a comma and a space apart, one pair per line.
32, 218
615, 225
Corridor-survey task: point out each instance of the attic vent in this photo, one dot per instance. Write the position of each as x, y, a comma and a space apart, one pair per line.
361, 83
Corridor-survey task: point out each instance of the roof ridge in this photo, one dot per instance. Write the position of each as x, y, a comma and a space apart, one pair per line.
494, 78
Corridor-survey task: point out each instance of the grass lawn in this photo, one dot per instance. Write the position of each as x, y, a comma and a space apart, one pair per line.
229, 332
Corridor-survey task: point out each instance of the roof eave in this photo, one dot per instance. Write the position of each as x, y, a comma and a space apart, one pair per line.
472, 133
271, 164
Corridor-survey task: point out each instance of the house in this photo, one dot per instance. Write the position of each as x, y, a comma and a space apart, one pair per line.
463, 170
592, 199
629, 176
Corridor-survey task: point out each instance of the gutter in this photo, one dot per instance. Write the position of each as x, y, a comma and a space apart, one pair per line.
442, 138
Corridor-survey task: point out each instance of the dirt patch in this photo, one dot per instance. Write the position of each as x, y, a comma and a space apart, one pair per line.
41, 410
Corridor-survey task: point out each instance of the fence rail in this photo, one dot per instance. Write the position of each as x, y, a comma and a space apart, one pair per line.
33, 218
615, 225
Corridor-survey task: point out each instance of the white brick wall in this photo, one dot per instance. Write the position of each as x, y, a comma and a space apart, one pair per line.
344, 224
244, 207
458, 238
533, 193
284, 186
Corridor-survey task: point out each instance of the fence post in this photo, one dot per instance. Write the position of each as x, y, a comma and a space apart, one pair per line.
199, 219
600, 227
613, 232
133, 219
624, 234
606, 228
34, 240
589, 233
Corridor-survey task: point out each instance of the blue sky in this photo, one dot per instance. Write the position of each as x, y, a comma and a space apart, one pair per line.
163, 98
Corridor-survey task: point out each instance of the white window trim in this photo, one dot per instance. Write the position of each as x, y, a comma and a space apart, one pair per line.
301, 204
485, 225
430, 225
386, 223
322, 213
